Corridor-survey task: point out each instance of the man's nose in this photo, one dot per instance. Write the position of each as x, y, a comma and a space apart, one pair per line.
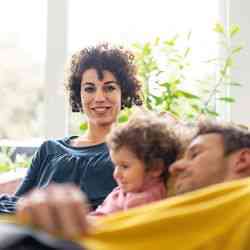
177, 167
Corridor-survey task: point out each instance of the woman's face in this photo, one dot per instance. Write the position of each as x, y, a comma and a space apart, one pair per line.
101, 99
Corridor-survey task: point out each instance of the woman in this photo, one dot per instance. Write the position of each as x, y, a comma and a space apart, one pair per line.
101, 81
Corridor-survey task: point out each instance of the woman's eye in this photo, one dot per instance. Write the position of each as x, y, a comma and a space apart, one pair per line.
110, 88
89, 89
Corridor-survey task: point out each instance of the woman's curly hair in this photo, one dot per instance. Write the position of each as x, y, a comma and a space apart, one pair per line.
149, 138
117, 60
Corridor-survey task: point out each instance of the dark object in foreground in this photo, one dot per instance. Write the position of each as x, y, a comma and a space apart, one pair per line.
13, 237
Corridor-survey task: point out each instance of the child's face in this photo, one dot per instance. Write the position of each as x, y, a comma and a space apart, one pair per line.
129, 172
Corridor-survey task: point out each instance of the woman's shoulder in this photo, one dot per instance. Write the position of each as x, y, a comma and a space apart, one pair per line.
64, 146
67, 144
52, 145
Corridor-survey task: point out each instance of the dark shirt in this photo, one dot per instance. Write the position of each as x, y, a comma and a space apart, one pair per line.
56, 161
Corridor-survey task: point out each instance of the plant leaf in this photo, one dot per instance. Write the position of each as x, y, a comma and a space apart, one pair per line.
234, 29
172, 41
146, 49
158, 100
211, 112
123, 118
219, 28
237, 49
157, 41
186, 94
235, 84
83, 126
229, 62
189, 35
227, 99
187, 52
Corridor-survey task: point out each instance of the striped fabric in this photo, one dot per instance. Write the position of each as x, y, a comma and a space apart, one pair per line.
8, 203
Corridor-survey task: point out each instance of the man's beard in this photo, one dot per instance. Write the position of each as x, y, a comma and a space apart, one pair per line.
174, 190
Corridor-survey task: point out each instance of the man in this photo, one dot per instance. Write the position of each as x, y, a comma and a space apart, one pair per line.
215, 155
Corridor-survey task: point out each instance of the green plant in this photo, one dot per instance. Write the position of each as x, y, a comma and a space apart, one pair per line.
164, 66
6, 163
9, 164
221, 81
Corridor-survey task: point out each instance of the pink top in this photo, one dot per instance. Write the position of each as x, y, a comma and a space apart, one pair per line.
117, 200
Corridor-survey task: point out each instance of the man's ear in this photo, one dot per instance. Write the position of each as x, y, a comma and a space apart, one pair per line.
242, 162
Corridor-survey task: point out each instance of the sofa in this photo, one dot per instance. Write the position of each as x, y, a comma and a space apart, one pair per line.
10, 181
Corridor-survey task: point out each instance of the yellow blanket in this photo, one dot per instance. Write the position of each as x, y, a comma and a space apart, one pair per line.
214, 218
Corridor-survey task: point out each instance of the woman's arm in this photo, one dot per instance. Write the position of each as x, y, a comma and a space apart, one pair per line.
29, 180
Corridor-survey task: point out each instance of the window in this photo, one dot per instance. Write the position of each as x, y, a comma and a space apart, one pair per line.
126, 22
129, 21
32, 41
22, 49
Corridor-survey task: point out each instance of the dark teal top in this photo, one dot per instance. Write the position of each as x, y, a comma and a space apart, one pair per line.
57, 161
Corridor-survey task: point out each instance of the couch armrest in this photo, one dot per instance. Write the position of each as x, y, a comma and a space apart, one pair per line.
9, 187
10, 181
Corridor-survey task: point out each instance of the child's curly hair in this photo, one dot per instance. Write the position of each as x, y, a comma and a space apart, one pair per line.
102, 57
149, 137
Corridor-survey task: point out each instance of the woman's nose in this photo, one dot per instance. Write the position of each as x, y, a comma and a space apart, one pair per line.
100, 95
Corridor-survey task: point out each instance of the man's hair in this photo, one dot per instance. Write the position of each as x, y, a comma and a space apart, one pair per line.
117, 60
234, 136
149, 138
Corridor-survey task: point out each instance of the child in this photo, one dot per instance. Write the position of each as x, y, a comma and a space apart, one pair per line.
141, 151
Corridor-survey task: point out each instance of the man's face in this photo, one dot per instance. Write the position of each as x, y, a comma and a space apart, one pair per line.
203, 164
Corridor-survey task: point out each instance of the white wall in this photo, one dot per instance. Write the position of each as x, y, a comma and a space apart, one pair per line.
239, 13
